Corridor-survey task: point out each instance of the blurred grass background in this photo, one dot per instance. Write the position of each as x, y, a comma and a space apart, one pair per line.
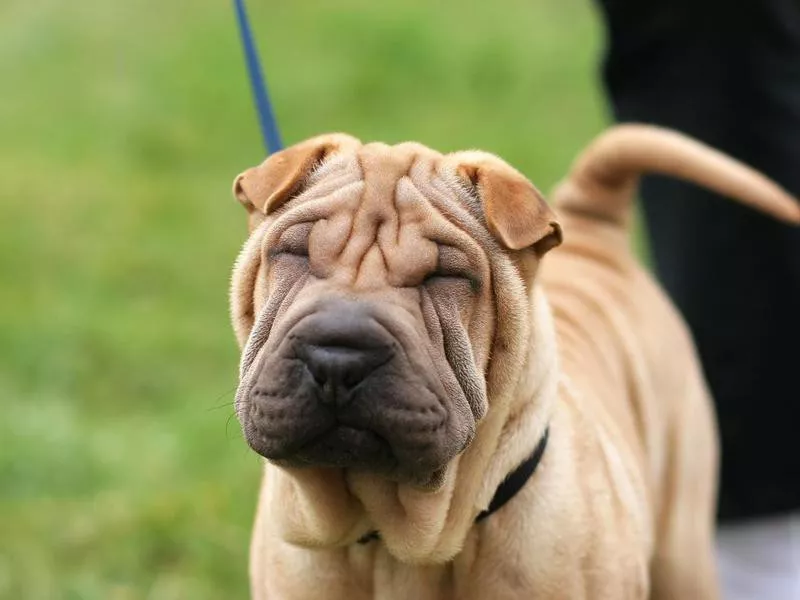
122, 125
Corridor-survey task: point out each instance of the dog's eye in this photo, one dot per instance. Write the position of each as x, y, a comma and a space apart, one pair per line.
293, 241
453, 266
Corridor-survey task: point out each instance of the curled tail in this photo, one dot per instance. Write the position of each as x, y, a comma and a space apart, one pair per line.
604, 177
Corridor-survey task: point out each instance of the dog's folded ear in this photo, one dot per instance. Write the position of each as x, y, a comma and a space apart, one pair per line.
516, 212
263, 189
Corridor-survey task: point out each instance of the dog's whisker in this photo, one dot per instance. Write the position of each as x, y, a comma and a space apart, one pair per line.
227, 403
228, 424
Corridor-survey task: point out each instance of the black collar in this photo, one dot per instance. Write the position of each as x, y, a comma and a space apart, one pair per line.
512, 484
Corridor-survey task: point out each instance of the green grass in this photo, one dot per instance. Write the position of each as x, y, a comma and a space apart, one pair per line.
122, 125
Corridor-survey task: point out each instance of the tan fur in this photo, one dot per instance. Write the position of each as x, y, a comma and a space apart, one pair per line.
585, 342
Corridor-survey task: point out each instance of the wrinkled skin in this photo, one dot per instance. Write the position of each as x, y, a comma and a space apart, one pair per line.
404, 349
375, 320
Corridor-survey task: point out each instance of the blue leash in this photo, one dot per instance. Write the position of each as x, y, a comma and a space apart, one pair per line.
266, 118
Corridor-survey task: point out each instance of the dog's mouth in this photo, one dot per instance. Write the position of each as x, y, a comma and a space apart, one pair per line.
344, 446
371, 433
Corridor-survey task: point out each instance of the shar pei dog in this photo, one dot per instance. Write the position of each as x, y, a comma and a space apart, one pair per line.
446, 413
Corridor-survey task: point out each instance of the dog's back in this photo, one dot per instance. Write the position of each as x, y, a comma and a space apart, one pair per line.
625, 350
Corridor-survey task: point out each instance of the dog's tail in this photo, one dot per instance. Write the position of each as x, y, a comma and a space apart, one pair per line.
604, 177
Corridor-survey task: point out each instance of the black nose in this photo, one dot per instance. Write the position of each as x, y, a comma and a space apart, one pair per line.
339, 366
341, 345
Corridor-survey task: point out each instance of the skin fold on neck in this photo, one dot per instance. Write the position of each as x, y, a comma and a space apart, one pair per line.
329, 508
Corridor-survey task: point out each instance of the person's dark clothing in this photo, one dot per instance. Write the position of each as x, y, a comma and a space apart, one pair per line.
727, 73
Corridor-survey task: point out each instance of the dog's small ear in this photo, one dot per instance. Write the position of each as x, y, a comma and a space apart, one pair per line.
516, 212
265, 188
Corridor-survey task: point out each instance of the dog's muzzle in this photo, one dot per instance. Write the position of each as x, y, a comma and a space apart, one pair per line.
348, 386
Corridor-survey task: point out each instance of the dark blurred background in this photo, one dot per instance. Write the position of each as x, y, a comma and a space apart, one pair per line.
122, 471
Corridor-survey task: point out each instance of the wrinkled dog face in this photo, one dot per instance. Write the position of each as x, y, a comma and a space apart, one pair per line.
364, 301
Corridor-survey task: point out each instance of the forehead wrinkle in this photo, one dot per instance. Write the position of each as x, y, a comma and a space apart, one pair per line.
382, 168
360, 237
465, 216
408, 253
469, 229
469, 216
311, 209
330, 178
